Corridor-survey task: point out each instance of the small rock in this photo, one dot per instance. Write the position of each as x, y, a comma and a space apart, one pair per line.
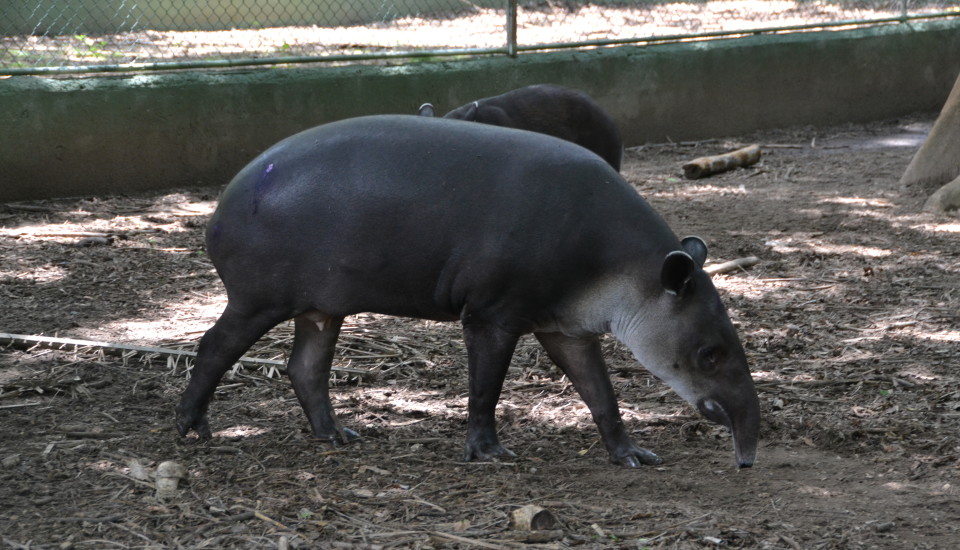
884, 527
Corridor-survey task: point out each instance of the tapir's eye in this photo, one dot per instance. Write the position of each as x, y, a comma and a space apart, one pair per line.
709, 356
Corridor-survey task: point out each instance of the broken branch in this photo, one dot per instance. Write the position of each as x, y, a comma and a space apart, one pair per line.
732, 265
28, 341
705, 166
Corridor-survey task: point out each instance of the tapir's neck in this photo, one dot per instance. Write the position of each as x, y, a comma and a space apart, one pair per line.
630, 326
607, 306
641, 326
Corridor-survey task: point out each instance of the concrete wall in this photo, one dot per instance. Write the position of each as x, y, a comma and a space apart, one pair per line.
80, 136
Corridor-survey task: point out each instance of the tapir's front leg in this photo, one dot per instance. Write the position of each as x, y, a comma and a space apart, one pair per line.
489, 350
581, 360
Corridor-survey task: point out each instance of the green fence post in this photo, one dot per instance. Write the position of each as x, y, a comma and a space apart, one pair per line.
512, 28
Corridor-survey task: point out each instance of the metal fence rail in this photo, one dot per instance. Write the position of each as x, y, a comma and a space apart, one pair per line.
58, 37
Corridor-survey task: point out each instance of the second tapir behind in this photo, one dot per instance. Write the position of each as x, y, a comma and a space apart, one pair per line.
509, 232
548, 109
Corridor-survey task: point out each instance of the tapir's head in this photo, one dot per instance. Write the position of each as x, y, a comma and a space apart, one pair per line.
682, 335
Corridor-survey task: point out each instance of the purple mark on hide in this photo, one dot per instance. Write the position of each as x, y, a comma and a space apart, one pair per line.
262, 186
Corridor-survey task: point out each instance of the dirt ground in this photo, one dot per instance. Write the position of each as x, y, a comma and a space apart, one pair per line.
850, 322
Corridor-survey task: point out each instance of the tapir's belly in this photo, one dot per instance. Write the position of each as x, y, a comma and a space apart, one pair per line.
339, 270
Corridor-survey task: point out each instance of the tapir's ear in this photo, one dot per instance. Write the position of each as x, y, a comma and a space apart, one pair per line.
470, 114
426, 110
677, 271
696, 248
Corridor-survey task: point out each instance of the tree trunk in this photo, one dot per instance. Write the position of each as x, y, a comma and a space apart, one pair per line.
945, 199
938, 160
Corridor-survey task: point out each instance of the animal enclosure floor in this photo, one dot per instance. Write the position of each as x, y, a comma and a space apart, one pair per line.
850, 322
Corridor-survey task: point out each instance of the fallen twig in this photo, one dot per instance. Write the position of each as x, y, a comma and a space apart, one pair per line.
732, 265
29, 207
29, 341
259, 515
91, 435
790, 542
105, 519
17, 405
796, 385
226, 521
534, 537
671, 143
666, 532
91, 234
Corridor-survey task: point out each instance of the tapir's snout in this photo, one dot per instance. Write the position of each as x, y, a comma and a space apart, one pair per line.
742, 417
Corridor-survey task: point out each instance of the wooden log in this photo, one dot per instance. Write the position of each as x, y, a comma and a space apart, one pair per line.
705, 166
532, 518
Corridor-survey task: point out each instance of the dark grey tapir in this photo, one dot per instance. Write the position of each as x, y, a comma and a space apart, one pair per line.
548, 109
437, 219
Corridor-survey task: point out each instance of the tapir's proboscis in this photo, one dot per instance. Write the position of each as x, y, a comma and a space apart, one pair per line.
510, 232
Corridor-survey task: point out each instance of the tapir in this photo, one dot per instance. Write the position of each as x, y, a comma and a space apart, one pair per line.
508, 231
549, 109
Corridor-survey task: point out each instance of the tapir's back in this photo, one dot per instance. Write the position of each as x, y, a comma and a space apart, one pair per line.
409, 215
554, 110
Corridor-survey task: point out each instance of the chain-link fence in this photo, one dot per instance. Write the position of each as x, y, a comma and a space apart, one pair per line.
55, 36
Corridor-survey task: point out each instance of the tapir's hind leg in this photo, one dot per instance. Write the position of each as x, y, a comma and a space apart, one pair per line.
489, 350
582, 361
221, 347
315, 338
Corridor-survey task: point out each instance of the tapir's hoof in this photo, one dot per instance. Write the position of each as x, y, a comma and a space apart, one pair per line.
634, 457
343, 436
485, 453
193, 420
